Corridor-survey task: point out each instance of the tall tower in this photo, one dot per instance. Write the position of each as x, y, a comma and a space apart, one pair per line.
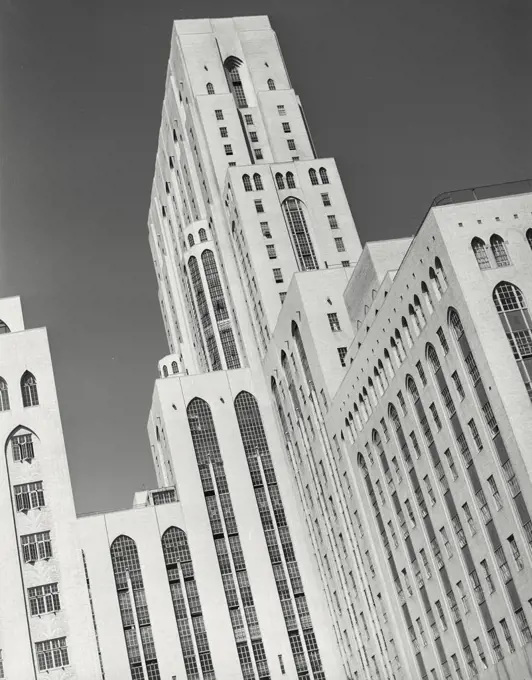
239, 205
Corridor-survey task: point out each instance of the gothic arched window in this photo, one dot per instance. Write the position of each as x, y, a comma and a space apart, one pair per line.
231, 66
258, 182
4, 395
313, 176
440, 273
515, 318
246, 181
300, 236
202, 234
190, 240
406, 329
279, 180
481, 253
426, 294
435, 283
290, 182
28, 386
210, 88
500, 253
271, 84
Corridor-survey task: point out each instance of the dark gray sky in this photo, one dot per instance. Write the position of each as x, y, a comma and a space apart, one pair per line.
412, 98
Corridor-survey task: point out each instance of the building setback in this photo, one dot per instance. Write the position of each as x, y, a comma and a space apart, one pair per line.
339, 434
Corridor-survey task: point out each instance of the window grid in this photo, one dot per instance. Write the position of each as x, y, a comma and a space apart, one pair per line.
52, 654
44, 599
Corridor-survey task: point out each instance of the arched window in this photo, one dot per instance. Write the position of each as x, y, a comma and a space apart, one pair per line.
388, 363
420, 315
246, 181
529, 237
362, 464
400, 346
406, 330
395, 352
414, 320
440, 273
378, 381
271, 84
372, 392
290, 181
128, 579
313, 176
324, 176
204, 314
301, 241
517, 324
363, 409
279, 180
4, 396
28, 386
210, 88
411, 387
377, 443
302, 354
500, 254
165, 371
435, 283
190, 240
481, 253
290, 380
4, 328
432, 358
351, 428
219, 305
183, 587
455, 324
202, 234
231, 66
426, 295
367, 401
358, 419
278, 403
258, 182
175, 367
382, 371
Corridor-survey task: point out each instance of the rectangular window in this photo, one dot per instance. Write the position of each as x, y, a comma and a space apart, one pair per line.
469, 519
52, 654
248, 118
28, 496
342, 351
36, 546
450, 461
278, 275
522, 624
253, 137
44, 599
325, 199
22, 447
281, 110
424, 424
500, 558
258, 206
477, 587
223, 132
489, 417
232, 164
464, 449
507, 635
258, 154
458, 385
516, 553
295, 158
332, 221
339, 243
265, 228
483, 506
472, 368
415, 444
272, 254
402, 403
345, 263
291, 144
443, 340
495, 491
282, 296
286, 127
475, 434
333, 322
219, 114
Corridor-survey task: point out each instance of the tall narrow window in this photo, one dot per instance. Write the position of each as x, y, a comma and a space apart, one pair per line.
257, 179
435, 283
529, 238
324, 176
481, 253
500, 253
313, 176
202, 234
301, 241
205, 316
246, 181
290, 182
132, 597
210, 88
279, 180
231, 66
4, 396
517, 324
28, 386
183, 587
426, 295
271, 84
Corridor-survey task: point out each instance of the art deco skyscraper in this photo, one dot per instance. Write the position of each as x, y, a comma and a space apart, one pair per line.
239, 204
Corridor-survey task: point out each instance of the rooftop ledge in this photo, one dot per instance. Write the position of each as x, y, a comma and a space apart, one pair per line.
521, 186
